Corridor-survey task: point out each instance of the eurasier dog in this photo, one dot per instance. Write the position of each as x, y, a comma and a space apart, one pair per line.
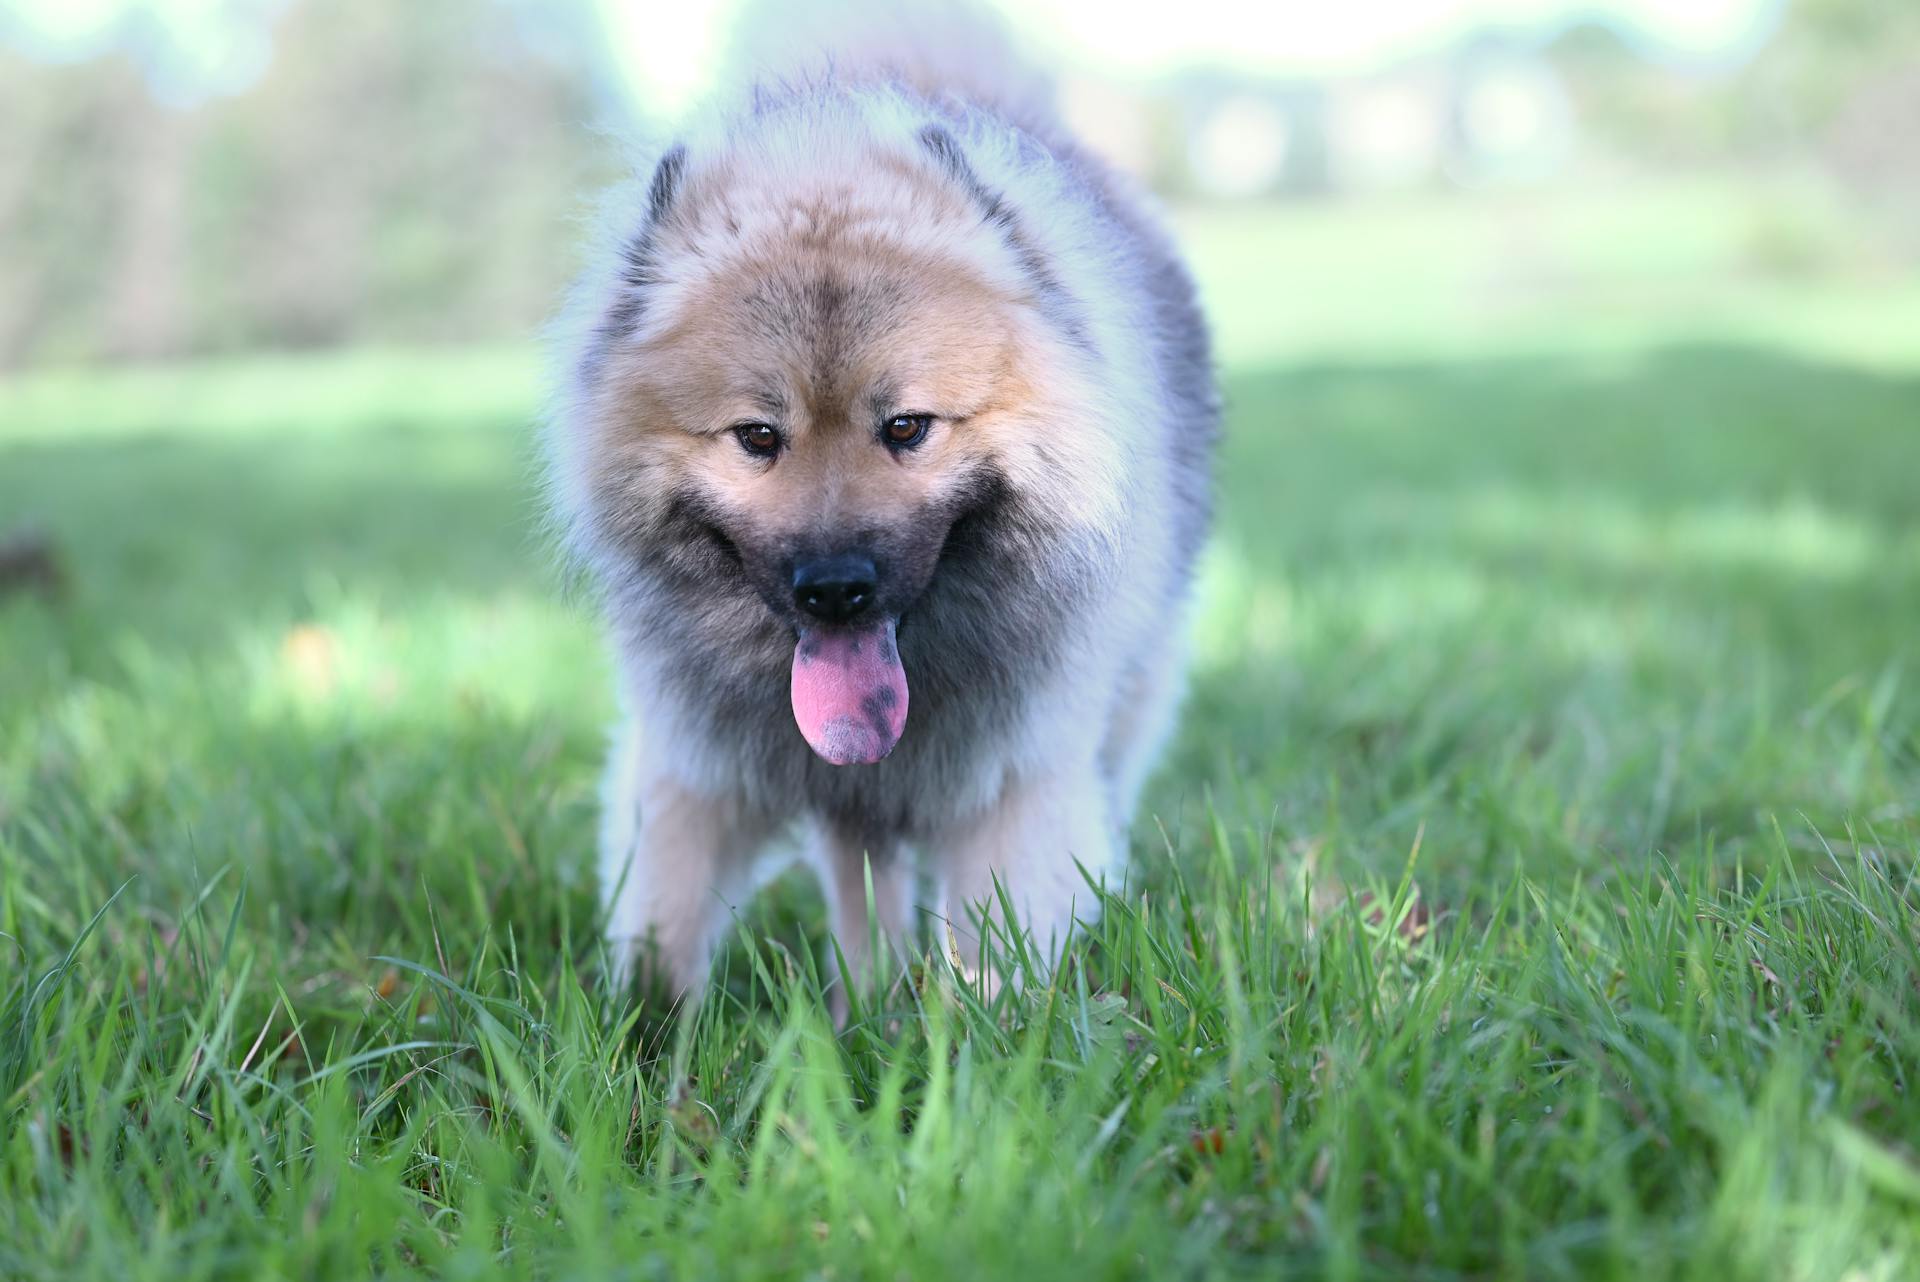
885, 432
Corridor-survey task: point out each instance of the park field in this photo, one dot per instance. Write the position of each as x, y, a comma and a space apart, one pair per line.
1529, 893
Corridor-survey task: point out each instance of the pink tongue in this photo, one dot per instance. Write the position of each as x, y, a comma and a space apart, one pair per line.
849, 694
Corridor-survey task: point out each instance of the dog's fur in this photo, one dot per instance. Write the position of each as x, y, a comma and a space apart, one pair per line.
896, 226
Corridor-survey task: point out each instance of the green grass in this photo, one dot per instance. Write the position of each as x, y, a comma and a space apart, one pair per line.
1529, 893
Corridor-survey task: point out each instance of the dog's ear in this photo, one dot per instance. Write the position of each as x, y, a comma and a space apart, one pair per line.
939, 140
666, 182
638, 253
945, 148
639, 262
1059, 306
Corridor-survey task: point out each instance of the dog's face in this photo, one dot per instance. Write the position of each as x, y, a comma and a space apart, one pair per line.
828, 420
811, 400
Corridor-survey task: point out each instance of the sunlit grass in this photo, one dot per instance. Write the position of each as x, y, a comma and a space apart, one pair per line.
1529, 892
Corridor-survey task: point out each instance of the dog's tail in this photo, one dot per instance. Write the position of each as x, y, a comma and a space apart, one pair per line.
947, 51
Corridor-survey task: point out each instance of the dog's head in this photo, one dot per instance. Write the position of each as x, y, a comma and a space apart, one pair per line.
811, 372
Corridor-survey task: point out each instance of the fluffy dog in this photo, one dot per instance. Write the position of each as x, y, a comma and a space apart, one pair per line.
885, 432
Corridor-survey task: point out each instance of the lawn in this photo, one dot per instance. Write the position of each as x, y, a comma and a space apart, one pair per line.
1529, 893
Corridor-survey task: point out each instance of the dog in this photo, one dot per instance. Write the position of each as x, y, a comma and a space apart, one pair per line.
885, 431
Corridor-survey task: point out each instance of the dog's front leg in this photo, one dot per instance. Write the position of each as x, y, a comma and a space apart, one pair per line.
673, 864
846, 864
1033, 843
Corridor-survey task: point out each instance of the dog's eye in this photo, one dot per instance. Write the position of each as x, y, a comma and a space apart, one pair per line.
762, 440
904, 431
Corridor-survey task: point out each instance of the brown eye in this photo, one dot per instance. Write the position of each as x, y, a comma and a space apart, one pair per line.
761, 440
904, 431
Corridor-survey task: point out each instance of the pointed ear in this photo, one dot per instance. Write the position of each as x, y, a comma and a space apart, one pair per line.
666, 182
939, 140
638, 261
638, 252
1057, 303
945, 148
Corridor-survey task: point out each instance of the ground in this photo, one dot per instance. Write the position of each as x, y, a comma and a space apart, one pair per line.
1529, 892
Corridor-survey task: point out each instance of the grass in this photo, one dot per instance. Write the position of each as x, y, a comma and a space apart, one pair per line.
1530, 892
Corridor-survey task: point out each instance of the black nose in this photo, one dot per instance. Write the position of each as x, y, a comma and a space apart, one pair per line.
834, 589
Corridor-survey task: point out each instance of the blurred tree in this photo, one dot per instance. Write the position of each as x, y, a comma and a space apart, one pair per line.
65, 153
408, 172
1780, 104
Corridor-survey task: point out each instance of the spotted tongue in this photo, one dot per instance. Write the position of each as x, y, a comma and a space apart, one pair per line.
849, 693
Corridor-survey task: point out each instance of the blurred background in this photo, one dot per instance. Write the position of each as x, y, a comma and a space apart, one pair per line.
1571, 351
191, 176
